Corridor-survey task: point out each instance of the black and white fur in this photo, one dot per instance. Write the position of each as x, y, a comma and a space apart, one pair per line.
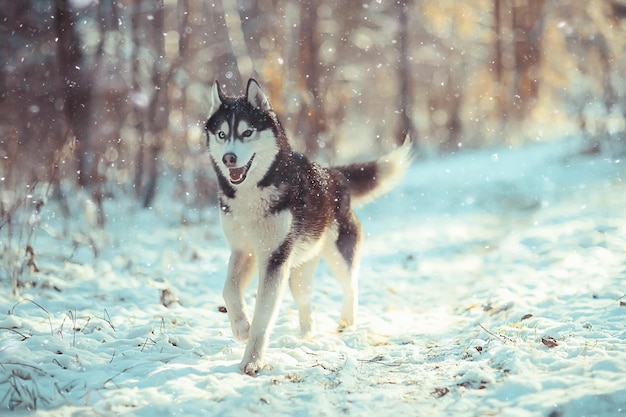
281, 213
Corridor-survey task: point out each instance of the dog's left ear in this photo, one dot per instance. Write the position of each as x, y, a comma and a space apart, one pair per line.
217, 97
256, 96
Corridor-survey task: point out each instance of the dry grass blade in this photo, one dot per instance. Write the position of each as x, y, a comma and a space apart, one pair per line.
22, 391
12, 311
24, 337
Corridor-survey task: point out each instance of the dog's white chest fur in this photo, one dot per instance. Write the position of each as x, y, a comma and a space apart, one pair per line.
251, 203
249, 223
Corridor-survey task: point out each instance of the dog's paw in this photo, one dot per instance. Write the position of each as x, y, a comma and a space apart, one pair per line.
307, 331
307, 336
307, 327
253, 368
344, 325
241, 329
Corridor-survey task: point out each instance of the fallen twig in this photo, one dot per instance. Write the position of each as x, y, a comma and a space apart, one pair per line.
379, 359
501, 338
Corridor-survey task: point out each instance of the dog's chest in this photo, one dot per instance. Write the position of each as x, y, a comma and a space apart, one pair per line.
249, 205
250, 220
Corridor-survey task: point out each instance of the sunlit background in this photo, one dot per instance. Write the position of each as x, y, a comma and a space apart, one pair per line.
110, 94
492, 278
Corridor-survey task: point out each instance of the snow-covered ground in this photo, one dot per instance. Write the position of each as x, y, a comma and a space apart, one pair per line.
492, 283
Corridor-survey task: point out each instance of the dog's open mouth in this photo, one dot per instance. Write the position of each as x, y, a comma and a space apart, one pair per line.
238, 175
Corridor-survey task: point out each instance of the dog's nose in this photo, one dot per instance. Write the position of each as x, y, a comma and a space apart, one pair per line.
229, 159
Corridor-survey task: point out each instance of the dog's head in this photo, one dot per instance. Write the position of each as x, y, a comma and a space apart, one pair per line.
241, 134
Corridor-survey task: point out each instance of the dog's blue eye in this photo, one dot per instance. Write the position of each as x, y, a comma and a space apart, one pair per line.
221, 134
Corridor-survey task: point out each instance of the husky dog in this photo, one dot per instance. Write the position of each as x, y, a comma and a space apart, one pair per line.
281, 212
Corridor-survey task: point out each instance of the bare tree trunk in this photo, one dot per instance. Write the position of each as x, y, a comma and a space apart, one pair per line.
406, 126
158, 110
527, 32
498, 64
260, 22
150, 95
78, 103
137, 99
77, 90
503, 58
183, 20
311, 120
224, 57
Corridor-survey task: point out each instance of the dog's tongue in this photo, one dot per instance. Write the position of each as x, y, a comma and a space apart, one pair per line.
237, 174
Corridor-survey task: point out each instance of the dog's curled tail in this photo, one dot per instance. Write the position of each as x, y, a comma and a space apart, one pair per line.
369, 180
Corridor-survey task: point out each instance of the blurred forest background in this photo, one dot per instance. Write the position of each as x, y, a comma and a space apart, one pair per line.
104, 97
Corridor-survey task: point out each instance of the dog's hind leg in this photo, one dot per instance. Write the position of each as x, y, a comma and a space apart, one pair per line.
347, 274
241, 268
300, 284
343, 257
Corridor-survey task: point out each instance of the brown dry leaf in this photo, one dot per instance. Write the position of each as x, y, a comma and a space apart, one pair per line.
473, 384
222, 309
549, 341
499, 309
440, 392
526, 317
167, 297
30, 252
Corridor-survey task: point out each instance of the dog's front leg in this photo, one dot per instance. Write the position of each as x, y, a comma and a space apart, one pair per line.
240, 272
272, 281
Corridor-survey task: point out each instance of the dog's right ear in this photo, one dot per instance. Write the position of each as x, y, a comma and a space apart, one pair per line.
256, 96
217, 97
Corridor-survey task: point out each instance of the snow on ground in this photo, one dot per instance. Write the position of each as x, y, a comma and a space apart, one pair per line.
492, 283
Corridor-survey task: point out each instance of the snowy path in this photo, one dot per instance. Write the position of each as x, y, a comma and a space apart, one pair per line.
492, 283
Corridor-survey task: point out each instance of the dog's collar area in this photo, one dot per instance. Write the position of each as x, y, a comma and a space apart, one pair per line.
238, 175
